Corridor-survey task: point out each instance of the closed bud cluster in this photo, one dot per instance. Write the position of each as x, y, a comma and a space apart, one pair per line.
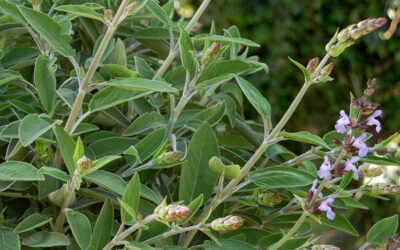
325, 72
370, 171
108, 14
268, 199
312, 65
371, 87
346, 37
227, 223
83, 164
169, 157
212, 52
172, 212
385, 188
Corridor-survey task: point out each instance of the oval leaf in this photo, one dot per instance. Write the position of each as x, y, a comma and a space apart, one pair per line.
281, 177
19, 171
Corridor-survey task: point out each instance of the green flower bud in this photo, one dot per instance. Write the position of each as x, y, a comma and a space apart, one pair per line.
268, 199
212, 52
108, 14
83, 164
325, 72
227, 223
343, 35
171, 212
169, 157
357, 33
230, 171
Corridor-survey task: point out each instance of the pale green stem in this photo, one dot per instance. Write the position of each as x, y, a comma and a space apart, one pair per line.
93, 66
291, 232
61, 217
119, 237
174, 52
259, 152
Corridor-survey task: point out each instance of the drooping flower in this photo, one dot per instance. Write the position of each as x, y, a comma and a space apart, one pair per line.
372, 121
312, 191
343, 121
360, 144
325, 206
324, 171
349, 166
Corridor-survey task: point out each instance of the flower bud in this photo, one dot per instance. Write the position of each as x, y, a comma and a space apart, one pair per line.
385, 188
171, 212
212, 52
343, 35
227, 223
373, 172
312, 65
229, 171
363, 24
325, 72
357, 33
108, 14
376, 23
83, 164
169, 157
268, 199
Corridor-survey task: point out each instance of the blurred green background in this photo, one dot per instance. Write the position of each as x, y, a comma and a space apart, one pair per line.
300, 29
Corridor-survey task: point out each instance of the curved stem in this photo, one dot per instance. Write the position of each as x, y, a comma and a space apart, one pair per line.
291, 232
120, 236
259, 152
174, 52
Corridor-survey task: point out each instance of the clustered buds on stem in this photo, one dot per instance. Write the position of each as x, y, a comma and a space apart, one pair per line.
169, 157
347, 37
229, 222
83, 164
385, 188
171, 212
268, 199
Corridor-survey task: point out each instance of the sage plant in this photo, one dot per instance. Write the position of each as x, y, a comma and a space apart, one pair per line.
123, 127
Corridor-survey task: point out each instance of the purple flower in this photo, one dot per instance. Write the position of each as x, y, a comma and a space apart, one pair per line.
325, 206
371, 120
324, 171
349, 166
312, 191
343, 121
360, 144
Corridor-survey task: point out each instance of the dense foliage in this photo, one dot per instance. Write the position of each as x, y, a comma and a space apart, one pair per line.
123, 126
